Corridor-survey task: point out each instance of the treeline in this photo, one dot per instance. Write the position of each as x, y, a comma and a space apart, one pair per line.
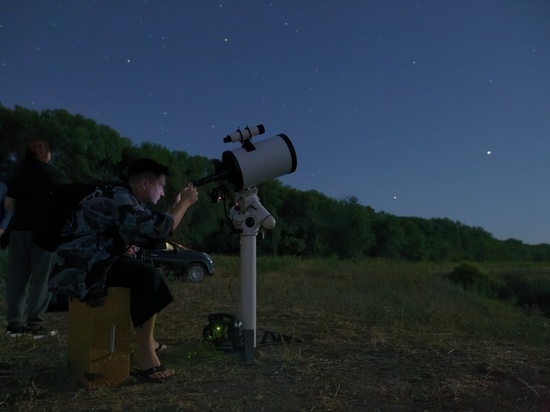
309, 224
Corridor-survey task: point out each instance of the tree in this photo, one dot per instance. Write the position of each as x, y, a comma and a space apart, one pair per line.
309, 223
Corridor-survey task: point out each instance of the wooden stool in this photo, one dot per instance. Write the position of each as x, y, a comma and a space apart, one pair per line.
99, 339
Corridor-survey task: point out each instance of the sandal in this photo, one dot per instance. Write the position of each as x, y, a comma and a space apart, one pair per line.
144, 374
160, 347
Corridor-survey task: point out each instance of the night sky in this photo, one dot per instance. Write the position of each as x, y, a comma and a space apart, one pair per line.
435, 108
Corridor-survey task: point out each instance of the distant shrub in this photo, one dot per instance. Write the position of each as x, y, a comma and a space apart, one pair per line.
529, 291
471, 278
520, 289
467, 275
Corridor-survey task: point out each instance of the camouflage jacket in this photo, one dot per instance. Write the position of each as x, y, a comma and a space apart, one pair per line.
104, 225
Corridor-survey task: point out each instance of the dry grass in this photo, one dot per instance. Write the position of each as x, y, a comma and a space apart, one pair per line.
375, 336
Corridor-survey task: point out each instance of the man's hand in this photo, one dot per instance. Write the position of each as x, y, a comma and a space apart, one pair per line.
185, 198
189, 195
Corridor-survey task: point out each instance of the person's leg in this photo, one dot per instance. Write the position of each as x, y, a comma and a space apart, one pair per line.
17, 277
145, 355
149, 294
39, 296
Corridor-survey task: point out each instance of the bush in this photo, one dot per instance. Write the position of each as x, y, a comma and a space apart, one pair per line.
471, 278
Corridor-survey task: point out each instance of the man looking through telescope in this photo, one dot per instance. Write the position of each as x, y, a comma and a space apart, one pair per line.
97, 247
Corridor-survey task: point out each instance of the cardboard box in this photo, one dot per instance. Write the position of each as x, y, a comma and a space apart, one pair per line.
99, 340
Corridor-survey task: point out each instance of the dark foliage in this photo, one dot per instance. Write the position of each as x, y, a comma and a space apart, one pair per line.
309, 224
529, 291
470, 277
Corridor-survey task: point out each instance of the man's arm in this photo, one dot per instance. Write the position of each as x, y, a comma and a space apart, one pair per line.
186, 198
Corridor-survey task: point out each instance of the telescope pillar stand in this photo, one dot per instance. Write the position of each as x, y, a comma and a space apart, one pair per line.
249, 215
248, 297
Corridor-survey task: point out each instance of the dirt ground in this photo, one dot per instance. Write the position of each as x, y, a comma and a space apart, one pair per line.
331, 365
315, 374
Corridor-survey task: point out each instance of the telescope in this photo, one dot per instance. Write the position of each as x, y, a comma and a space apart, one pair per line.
246, 167
253, 163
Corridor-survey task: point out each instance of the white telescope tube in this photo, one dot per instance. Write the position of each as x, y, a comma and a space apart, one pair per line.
269, 159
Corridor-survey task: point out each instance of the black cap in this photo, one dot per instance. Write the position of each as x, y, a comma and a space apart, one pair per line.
142, 166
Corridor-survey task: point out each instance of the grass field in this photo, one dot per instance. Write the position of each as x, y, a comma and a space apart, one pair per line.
369, 336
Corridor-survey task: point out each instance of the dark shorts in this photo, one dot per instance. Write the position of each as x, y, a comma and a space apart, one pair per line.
149, 292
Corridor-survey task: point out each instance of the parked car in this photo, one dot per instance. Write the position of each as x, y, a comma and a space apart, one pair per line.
183, 262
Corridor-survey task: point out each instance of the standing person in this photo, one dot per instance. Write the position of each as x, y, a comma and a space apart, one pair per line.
98, 245
5, 216
29, 266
